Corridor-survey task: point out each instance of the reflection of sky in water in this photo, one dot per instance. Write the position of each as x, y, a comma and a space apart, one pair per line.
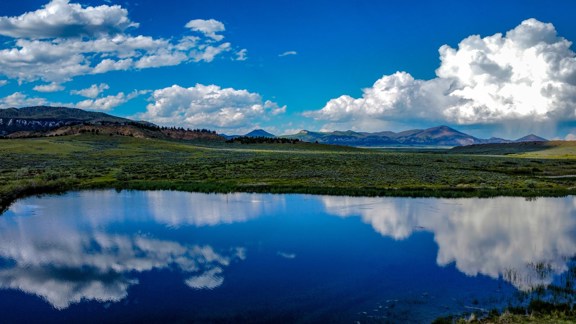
96, 245
60, 249
508, 237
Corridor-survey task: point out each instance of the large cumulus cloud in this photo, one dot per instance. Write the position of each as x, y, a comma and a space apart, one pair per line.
526, 75
209, 106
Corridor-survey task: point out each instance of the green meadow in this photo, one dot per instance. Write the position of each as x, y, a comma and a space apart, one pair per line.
58, 164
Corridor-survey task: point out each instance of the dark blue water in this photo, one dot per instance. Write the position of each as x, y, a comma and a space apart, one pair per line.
107, 256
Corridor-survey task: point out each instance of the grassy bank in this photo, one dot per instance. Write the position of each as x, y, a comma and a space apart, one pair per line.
536, 312
34, 166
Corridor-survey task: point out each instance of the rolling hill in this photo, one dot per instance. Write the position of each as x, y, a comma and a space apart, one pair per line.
42, 119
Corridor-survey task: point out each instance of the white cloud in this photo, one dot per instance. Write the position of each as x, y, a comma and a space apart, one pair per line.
3, 83
288, 53
527, 75
109, 102
208, 106
209, 280
49, 61
529, 72
108, 65
18, 99
570, 137
286, 255
207, 27
64, 40
242, 55
92, 92
52, 87
396, 97
162, 58
59, 18
208, 53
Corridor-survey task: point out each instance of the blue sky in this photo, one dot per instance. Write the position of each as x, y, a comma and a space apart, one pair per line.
290, 65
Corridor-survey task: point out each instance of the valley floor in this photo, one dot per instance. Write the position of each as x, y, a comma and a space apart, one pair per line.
57, 164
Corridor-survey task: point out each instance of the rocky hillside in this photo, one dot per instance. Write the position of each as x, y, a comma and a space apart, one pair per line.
60, 121
42, 119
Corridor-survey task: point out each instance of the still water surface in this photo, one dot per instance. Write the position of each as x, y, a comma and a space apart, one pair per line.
160, 256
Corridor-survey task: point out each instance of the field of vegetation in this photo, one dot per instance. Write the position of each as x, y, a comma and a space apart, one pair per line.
57, 164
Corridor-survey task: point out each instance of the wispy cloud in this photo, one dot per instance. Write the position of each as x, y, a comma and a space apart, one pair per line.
242, 55
288, 53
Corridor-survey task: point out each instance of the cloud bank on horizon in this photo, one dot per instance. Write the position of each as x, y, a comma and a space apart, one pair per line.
527, 76
523, 80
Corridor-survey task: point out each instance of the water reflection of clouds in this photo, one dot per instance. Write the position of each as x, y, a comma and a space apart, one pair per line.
507, 237
63, 254
62, 249
183, 208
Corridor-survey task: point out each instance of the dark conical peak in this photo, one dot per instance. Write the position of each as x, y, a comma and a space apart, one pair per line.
259, 133
531, 138
443, 128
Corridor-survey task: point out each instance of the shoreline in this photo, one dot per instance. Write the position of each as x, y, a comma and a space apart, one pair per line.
58, 164
6, 200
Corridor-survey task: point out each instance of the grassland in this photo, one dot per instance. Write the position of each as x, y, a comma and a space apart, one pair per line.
545, 150
55, 164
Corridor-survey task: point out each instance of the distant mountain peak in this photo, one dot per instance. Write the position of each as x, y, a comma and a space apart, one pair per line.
260, 133
531, 138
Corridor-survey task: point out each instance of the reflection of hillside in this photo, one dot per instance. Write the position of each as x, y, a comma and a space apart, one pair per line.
525, 242
62, 253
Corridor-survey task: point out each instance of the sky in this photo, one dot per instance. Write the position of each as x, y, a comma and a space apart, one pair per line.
488, 68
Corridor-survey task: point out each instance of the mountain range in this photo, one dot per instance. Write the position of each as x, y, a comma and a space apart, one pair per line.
435, 136
51, 121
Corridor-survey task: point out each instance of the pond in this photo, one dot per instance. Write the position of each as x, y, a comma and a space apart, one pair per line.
162, 256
